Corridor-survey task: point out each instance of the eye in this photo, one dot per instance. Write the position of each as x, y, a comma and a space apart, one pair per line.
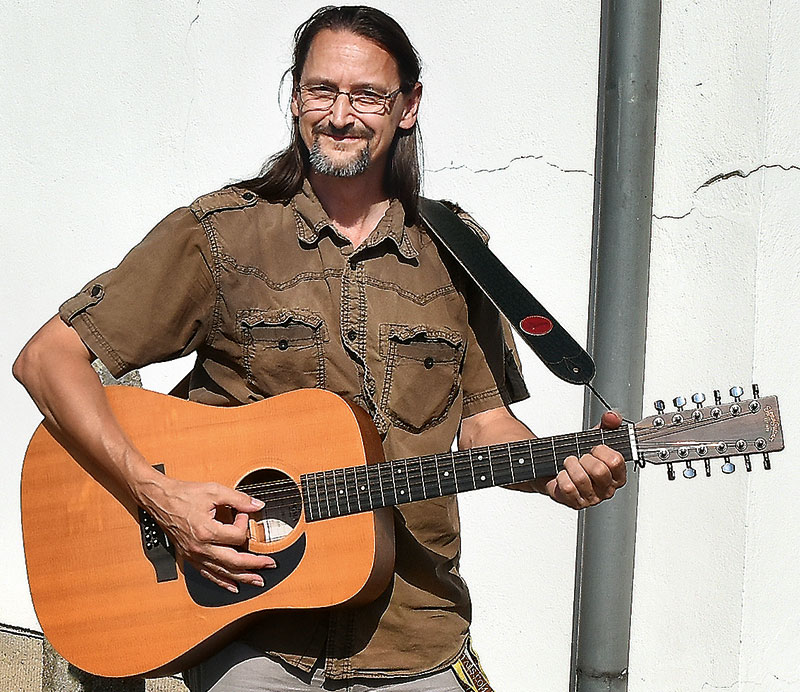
319, 91
367, 97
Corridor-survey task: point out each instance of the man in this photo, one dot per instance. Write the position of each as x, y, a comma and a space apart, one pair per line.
314, 274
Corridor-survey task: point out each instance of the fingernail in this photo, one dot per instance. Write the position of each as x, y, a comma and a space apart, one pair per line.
258, 581
272, 564
258, 504
232, 588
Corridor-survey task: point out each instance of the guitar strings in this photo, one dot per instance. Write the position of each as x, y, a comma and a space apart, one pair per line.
278, 492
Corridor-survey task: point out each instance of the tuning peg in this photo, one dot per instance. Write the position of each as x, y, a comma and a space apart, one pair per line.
707, 463
717, 397
767, 462
659, 405
698, 398
679, 402
728, 467
755, 391
747, 464
670, 472
689, 471
736, 393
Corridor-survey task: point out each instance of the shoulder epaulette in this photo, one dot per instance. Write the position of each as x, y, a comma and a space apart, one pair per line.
222, 200
473, 225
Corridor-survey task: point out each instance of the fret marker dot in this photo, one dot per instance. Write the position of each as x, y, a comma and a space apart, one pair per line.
480, 458
363, 487
522, 461
446, 473
402, 492
483, 478
341, 492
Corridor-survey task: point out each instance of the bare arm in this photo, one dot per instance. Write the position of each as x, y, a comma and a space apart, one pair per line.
583, 482
55, 368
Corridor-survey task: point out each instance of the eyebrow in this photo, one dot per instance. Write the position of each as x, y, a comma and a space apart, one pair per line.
355, 87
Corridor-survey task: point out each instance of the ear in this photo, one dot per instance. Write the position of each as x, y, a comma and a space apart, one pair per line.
411, 108
295, 101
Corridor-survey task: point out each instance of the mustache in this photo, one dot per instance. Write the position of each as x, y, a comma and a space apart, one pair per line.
350, 130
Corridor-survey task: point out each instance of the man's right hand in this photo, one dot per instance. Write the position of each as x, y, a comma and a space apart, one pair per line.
191, 514
55, 367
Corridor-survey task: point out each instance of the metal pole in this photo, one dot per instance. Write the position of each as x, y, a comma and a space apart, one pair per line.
629, 44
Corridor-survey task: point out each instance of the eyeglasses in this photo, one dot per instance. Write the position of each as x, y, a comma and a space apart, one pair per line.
318, 97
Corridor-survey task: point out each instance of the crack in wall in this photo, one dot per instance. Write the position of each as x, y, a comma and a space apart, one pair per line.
726, 176
523, 157
741, 174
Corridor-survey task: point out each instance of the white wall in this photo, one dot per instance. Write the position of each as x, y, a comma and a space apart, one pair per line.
112, 116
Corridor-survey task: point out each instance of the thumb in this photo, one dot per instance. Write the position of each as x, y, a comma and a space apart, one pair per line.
611, 420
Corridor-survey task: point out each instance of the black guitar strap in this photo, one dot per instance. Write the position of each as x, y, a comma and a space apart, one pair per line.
536, 326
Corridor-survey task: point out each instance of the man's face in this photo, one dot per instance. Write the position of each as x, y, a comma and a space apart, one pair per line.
343, 142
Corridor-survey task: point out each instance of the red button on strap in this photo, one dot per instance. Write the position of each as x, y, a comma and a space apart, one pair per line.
536, 325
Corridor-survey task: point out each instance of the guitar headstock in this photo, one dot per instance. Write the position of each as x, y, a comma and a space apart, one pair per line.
741, 427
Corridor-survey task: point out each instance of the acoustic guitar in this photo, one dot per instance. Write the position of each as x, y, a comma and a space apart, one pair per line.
114, 601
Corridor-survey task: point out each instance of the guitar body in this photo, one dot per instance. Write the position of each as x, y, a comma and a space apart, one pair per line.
111, 598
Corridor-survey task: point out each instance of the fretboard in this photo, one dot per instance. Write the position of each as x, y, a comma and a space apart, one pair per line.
362, 488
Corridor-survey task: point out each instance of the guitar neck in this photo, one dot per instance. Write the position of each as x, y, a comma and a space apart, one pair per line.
355, 489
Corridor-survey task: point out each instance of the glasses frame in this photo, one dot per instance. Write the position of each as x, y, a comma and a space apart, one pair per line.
388, 99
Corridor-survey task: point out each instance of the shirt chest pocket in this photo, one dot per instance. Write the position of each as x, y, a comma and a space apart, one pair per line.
422, 374
283, 349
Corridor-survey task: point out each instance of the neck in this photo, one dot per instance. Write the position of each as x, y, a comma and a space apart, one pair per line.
355, 205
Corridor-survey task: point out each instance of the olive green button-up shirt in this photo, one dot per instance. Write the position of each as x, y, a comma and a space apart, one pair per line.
272, 298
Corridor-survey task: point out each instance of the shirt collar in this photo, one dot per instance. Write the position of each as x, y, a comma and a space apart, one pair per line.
311, 219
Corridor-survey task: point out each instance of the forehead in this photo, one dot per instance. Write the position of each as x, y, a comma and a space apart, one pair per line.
346, 59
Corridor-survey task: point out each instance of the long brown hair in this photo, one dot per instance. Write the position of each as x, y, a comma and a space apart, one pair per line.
281, 177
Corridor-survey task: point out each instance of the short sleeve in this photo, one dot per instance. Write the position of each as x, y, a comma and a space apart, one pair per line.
157, 304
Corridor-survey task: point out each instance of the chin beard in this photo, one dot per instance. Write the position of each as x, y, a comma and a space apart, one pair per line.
322, 164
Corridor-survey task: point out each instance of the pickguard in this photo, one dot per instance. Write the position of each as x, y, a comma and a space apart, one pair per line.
206, 593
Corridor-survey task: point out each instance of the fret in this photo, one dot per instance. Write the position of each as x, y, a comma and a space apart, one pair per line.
463, 471
316, 492
416, 484
304, 479
375, 486
578, 452
500, 464
341, 491
362, 485
330, 491
430, 476
438, 474
448, 481
401, 485
351, 488
481, 469
387, 483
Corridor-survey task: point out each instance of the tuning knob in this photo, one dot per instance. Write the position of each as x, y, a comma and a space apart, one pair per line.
698, 398
659, 405
670, 472
755, 391
679, 402
736, 393
689, 471
717, 397
728, 467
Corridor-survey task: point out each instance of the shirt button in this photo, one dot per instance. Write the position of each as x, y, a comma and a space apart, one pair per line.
283, 344
428, 362
352, 335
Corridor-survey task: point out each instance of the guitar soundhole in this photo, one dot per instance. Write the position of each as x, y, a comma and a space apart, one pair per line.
283, 506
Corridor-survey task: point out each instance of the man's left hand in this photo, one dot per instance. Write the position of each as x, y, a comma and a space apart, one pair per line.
594, 477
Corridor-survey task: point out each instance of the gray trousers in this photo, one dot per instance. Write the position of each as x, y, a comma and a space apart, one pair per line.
241, 668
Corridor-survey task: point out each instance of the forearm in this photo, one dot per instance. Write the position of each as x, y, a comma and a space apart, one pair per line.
496, 427
55, 368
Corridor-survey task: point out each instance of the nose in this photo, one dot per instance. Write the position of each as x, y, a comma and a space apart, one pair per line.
341, 110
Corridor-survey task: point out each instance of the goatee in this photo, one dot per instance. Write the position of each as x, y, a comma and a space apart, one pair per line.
324, 165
